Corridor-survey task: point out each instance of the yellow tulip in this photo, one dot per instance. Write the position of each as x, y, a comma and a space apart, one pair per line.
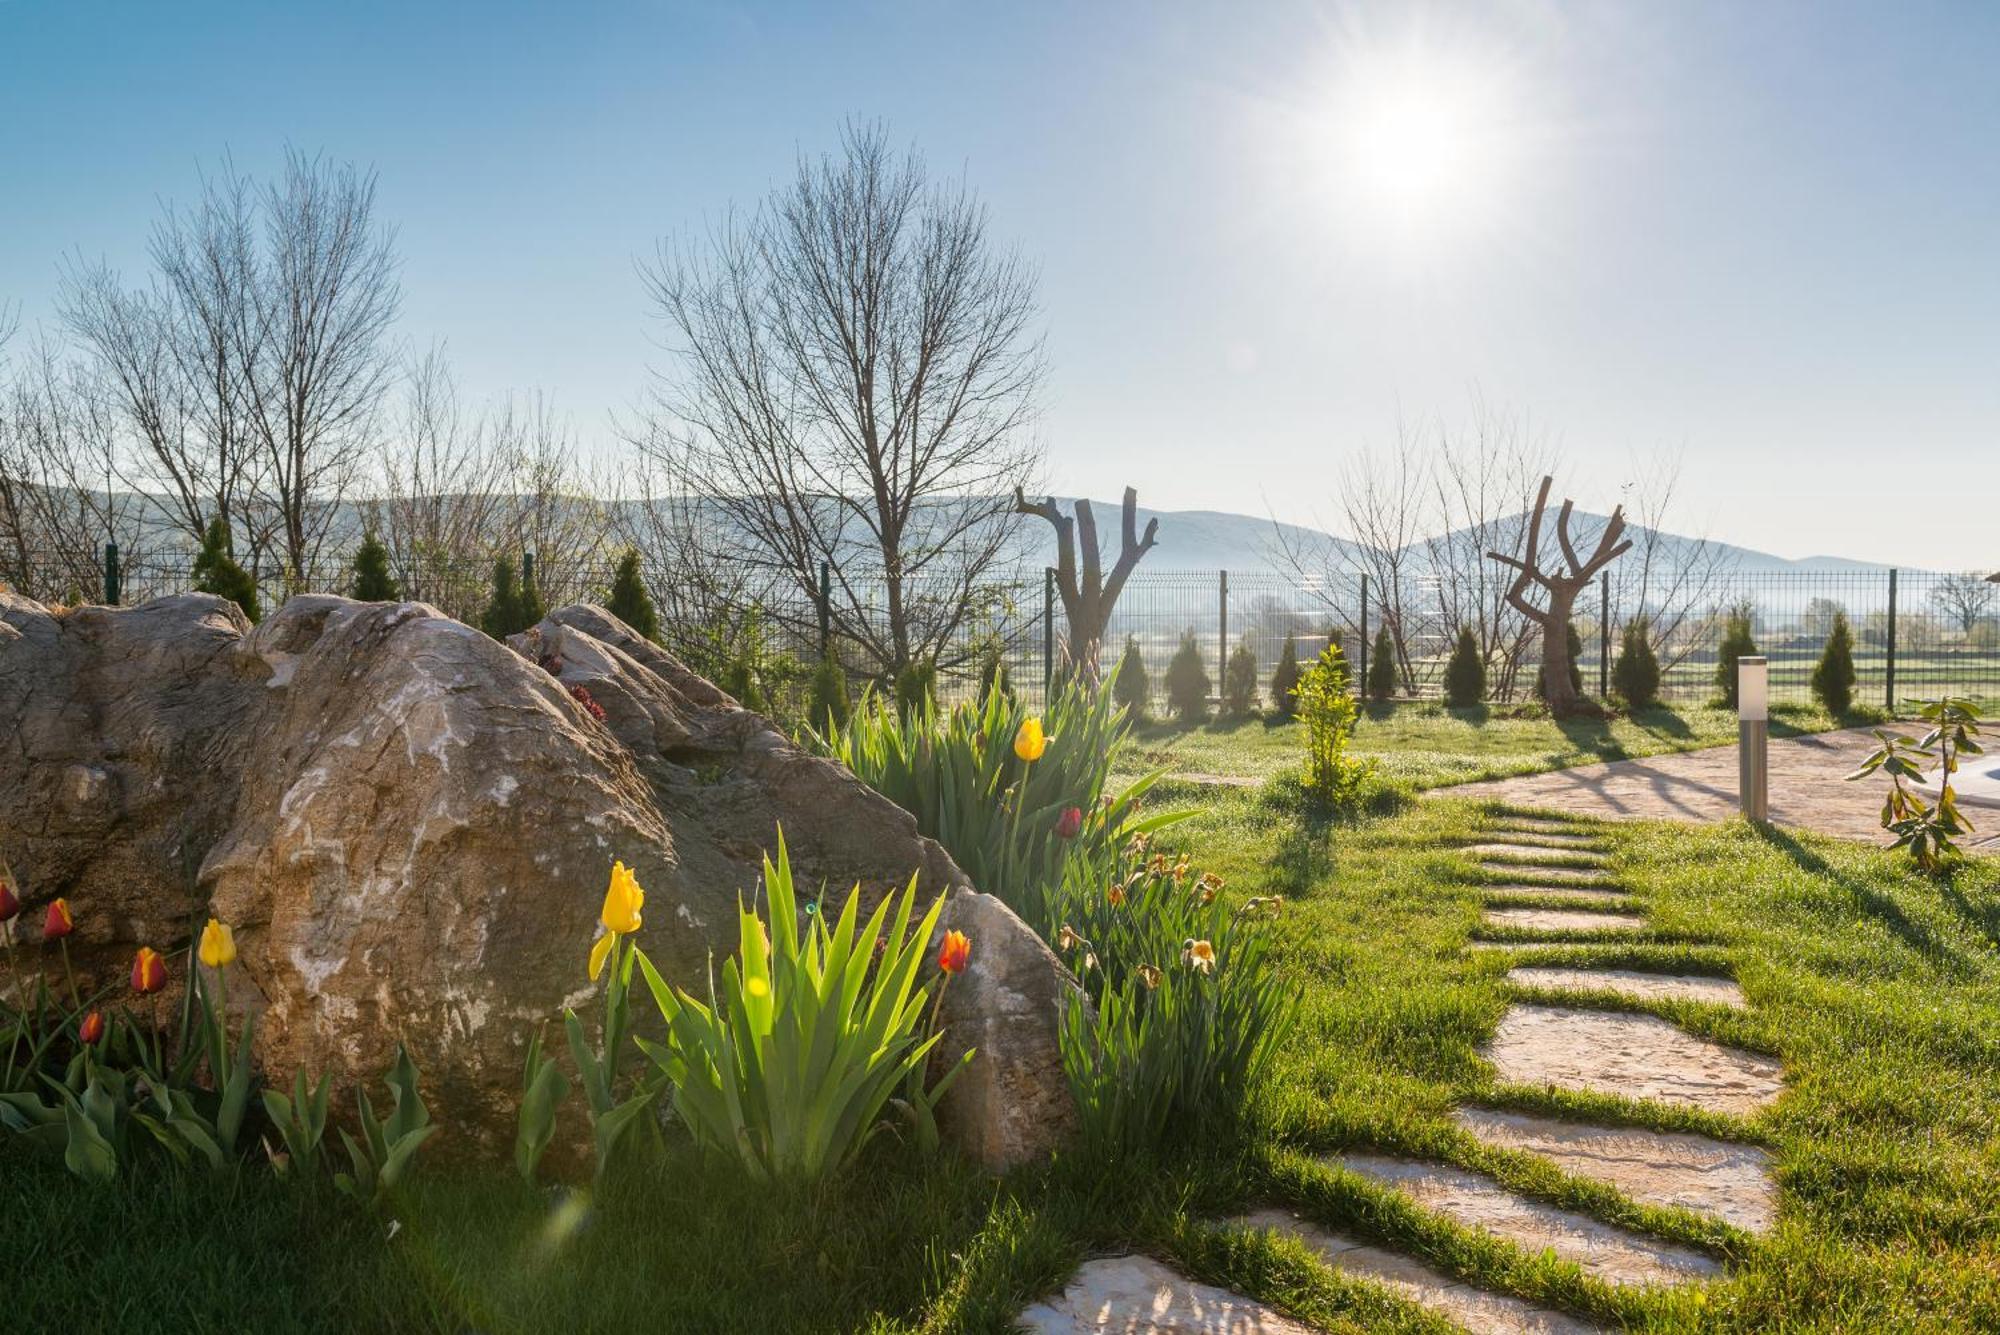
218, 945
1031, 741
622, 901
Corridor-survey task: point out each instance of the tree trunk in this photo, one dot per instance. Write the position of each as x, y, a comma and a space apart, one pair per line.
1557, 688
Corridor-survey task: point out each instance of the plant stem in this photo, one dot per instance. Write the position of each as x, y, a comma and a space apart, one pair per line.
76, 1002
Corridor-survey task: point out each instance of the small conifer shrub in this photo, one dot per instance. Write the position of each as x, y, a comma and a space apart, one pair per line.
1833, 676
215, 570
1187, 682
1382, 666
829, 705
1737, 642
1636, 674
1131, 688
1285, 678
629, 601
1239, 680
372, 581
505, 612
1465, 674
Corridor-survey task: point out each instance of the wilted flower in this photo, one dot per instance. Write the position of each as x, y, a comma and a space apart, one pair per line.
1210, 881
1181, 868
92, 1028
1208, 894
954, 953
1067, 938
620, 915
218, 945
1070, 823
1198, 955
1158, 866
10, 905
1149, 975
58, 923
1030, 741
1116, 895
149, 971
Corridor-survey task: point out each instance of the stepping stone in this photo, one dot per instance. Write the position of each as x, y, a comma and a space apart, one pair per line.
1714, 1177
1564, 920
1580, 893
1136, 1295
1636, 1056
1551, 875
1474, 1309
1475, 1201
1546, 837
1533, 853
1632, 983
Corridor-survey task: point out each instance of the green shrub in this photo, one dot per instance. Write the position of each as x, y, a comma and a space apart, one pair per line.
373, 583
1189, 1006
1381, 665
215, 570
506, 612
1285, 678
1636, 674
1239, 680
1833, 677
1327, 705
1465, 674
1575, 643
916, 687
1737, 642
993, 674
790, 1065
828, 708
1187, 682
1130, 687
956, 771
629, 601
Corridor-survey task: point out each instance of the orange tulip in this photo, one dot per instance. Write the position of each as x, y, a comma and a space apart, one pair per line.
93, 1027
149, 971
954, 953
58, 923
10, 904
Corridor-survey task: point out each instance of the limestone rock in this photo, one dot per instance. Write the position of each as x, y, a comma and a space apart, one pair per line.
411, 826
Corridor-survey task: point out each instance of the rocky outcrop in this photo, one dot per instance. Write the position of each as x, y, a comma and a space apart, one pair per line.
411, 827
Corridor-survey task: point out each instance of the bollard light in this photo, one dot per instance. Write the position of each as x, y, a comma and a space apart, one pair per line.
1753, 736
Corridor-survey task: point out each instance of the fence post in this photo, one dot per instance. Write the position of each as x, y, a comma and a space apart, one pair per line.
112, 575
825, 611
1048, 631
1221, 629
527, 571
1362, 680
1889, 674
1604, 635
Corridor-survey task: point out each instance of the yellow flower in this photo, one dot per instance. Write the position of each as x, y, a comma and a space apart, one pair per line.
620, 915
1031, 741
1199, 955
218, 945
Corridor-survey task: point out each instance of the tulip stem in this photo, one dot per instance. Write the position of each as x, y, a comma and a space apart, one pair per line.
74, 1000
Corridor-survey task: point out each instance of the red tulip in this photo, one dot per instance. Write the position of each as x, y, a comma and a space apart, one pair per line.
10, 906
58, 924
149, 971
93, 1027
1069, 823
955, 951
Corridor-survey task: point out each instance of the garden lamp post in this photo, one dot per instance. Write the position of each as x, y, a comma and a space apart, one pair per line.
1753, 737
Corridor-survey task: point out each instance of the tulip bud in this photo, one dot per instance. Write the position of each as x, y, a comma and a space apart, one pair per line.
1030, 741
10, 905
58, 923
1070, 823
92, 1028
149, 971
954, 953
218, 945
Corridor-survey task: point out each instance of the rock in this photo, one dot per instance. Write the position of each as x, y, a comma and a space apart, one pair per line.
1562, 920
1632, 1056
1136, 1295
1632, 983
411, 827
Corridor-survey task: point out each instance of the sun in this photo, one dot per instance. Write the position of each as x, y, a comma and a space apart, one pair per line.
1411, 143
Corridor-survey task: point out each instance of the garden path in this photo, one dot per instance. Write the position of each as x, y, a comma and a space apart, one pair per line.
1553, 1038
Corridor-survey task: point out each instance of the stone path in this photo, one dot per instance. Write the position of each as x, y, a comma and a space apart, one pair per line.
1634, 1056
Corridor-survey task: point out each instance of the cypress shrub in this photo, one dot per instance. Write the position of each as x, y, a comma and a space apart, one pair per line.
829, 706
1636, 674
1131, 687
532, 610
1465, 674
1187, 682
993, 676
1381, 666
1575, 643
1833, 677
629, 601
215, 570
372, 581
504, 608
1285, 679
916, 687
1736, 642
1239, 680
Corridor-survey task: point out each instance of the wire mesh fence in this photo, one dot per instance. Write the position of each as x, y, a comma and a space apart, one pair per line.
1915, 633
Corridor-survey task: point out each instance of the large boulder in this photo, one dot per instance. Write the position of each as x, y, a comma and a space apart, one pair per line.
411, 827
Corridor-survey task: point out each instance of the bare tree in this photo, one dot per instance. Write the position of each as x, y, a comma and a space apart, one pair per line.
1560, 586
1673, 582
1964, 599
554, 509
856, 373
312, 360
1088, 595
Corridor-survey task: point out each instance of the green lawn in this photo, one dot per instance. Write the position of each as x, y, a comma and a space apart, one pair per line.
1880, 990
1426, 745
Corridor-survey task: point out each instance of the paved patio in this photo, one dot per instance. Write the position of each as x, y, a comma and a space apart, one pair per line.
1808, 788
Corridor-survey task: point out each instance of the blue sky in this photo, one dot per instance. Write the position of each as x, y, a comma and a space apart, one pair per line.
1766, 235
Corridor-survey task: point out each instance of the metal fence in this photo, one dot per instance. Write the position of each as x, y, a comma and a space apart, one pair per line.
1915, 634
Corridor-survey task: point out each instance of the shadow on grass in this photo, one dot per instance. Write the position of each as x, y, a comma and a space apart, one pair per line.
1880, 906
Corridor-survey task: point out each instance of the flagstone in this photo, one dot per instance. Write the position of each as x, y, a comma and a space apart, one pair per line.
1634, 1056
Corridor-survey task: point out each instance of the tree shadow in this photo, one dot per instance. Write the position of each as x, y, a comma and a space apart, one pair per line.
1592, 736
1880, 906
1663, 721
